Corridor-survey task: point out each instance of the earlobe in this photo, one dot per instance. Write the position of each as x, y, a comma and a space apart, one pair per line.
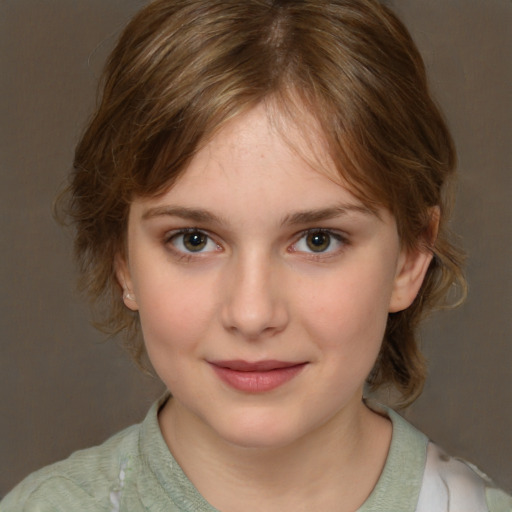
128, 296
125, 282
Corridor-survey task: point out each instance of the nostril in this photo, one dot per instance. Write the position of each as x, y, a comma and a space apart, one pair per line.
254, 317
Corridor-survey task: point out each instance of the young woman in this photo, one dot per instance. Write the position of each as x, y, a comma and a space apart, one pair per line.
261, 202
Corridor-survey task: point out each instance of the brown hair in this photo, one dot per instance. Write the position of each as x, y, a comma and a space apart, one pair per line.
183, 68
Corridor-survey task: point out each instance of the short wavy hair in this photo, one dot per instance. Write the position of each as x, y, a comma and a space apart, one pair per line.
183, 68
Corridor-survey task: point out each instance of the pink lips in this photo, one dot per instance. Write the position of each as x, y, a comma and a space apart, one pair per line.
256, 377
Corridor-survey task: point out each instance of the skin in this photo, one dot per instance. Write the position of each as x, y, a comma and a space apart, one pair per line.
259, 289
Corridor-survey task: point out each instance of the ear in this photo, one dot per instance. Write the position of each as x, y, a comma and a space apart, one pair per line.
124, 279
411, 270
412, 267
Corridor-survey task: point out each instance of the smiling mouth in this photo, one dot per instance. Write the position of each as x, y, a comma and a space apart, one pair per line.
258, 376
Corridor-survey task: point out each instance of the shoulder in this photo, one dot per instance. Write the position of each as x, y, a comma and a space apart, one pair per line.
453, 485
418, 476
87, 480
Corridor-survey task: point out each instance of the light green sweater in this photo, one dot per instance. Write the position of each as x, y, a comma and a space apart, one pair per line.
134, 471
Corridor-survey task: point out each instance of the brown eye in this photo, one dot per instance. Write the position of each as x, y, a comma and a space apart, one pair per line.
318, 241
192, 241
195, 241
322, 242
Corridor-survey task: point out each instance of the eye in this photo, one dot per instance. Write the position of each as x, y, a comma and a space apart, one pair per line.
192, 241
318, 241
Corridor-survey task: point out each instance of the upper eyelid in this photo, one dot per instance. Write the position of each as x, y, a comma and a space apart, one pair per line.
173, 232
181, 231
336, 232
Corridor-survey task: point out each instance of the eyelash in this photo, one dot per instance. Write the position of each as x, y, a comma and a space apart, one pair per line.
184, 254
341, 241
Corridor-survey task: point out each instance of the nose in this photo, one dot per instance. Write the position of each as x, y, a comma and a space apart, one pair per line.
254, 304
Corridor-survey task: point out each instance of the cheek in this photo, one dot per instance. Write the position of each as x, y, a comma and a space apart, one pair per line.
174, 313
173, 324
348, 332
350, 312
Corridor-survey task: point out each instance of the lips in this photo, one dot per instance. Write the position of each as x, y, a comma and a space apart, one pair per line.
258, 376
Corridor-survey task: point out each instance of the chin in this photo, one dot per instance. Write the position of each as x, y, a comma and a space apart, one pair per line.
259, 431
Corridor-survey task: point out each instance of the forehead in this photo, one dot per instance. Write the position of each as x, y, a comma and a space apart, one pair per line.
260, 163
264, 140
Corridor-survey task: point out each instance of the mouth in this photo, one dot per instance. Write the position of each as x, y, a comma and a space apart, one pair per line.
257, 376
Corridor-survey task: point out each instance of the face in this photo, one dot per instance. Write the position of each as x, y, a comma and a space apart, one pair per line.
263, 288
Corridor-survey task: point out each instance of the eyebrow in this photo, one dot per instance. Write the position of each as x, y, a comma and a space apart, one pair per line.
310, 216
193, 214
300, 217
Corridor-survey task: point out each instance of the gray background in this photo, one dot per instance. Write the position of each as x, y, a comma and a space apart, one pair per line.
63, 387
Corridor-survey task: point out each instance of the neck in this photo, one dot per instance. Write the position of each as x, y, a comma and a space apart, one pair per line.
339, 462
